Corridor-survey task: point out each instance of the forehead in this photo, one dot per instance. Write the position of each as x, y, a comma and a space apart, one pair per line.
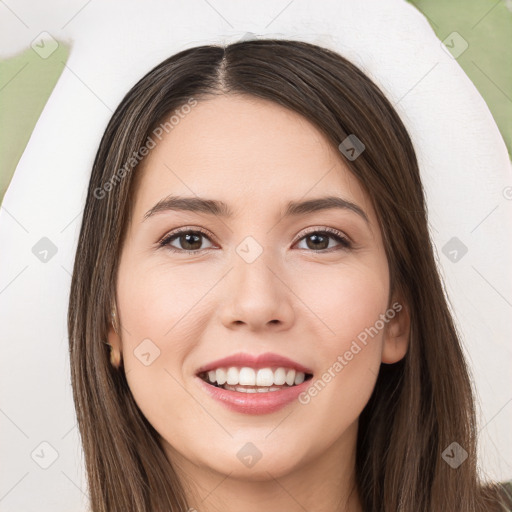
249, 152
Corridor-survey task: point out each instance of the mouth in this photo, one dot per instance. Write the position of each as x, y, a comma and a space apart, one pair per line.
254, 384
251, 380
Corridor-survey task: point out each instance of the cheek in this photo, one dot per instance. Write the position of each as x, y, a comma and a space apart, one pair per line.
346, 298
160, 302
159, 316
349, 303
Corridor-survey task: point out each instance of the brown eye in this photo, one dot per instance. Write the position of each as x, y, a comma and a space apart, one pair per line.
190, 241
320, 240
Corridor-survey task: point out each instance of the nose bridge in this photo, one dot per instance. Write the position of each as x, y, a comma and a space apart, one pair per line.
252, 274
251, 266
255, 295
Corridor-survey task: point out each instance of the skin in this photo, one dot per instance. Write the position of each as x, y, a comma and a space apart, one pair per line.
256, 156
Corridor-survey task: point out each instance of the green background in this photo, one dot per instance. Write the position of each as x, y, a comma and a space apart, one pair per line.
27, 80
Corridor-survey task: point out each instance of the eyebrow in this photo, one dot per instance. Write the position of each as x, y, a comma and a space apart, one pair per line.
221, 209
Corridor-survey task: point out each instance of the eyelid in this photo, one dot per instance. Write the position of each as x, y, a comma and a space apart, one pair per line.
186, 229
322, 229
165, 240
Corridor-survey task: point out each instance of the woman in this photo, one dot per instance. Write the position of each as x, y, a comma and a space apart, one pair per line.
255, 253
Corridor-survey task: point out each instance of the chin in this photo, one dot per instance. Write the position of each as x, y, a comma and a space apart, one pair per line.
268, 466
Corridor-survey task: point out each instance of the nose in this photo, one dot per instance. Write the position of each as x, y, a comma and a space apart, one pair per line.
257, 296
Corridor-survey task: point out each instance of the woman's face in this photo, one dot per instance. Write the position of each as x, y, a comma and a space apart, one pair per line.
257, 282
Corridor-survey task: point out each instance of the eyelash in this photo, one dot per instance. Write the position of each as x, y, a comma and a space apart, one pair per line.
334, 233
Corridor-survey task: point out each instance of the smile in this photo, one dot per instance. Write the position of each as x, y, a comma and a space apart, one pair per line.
252, 380
254, 383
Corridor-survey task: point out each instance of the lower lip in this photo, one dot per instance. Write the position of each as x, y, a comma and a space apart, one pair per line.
255, 403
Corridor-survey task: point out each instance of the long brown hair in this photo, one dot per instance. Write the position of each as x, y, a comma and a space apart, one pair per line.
419, 407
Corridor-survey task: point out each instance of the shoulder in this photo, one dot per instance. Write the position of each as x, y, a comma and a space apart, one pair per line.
505, 492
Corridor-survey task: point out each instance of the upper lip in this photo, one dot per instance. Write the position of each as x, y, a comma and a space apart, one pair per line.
254, 361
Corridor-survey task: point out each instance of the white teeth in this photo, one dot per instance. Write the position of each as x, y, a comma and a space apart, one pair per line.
265, 378
233, 375
242, 389
279, 376
290, 377
299, 378
247, 377
220, 376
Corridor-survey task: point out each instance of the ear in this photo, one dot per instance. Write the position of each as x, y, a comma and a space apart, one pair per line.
396, 336
114, 341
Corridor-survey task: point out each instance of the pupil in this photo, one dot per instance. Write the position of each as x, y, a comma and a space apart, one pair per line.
316, 237
187, 237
